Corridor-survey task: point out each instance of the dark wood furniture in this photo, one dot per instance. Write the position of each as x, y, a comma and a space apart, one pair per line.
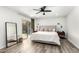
61, 34
35, 31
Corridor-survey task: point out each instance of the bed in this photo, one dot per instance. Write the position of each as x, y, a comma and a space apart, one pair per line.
46, 35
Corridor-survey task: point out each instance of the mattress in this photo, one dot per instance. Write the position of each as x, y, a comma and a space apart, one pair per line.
46, 37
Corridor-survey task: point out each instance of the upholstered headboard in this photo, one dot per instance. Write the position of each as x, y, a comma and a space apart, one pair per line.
47, 28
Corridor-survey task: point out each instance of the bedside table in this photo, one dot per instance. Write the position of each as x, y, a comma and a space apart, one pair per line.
61, 34
35, 31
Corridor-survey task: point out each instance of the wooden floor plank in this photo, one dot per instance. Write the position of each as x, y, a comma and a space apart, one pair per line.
32, 47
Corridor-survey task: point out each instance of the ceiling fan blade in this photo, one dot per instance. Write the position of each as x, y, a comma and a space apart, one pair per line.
38, 12
36, 9
47, 11
43, 8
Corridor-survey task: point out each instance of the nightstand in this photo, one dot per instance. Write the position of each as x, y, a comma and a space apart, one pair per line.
35, 31
61, 34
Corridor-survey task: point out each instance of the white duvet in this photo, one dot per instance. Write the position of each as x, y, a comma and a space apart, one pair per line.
46, 37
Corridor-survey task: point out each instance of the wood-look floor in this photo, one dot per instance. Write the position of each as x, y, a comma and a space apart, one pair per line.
30, 47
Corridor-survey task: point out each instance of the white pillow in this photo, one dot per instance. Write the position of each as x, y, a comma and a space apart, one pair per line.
53, 30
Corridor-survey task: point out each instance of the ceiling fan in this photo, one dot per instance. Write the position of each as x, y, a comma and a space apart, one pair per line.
42, 9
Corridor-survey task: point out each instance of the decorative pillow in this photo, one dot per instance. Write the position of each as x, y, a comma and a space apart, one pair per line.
53, 30
47, 28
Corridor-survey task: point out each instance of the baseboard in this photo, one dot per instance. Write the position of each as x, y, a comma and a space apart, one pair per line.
72, 42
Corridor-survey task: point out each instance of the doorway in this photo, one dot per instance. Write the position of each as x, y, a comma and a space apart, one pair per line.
26, 28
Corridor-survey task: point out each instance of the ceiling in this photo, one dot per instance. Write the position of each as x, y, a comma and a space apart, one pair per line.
57, 11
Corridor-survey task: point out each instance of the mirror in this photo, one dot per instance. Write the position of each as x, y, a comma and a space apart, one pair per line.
11, 33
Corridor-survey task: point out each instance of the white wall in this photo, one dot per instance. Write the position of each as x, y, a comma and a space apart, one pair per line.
7, 15
73, 26
51, 21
